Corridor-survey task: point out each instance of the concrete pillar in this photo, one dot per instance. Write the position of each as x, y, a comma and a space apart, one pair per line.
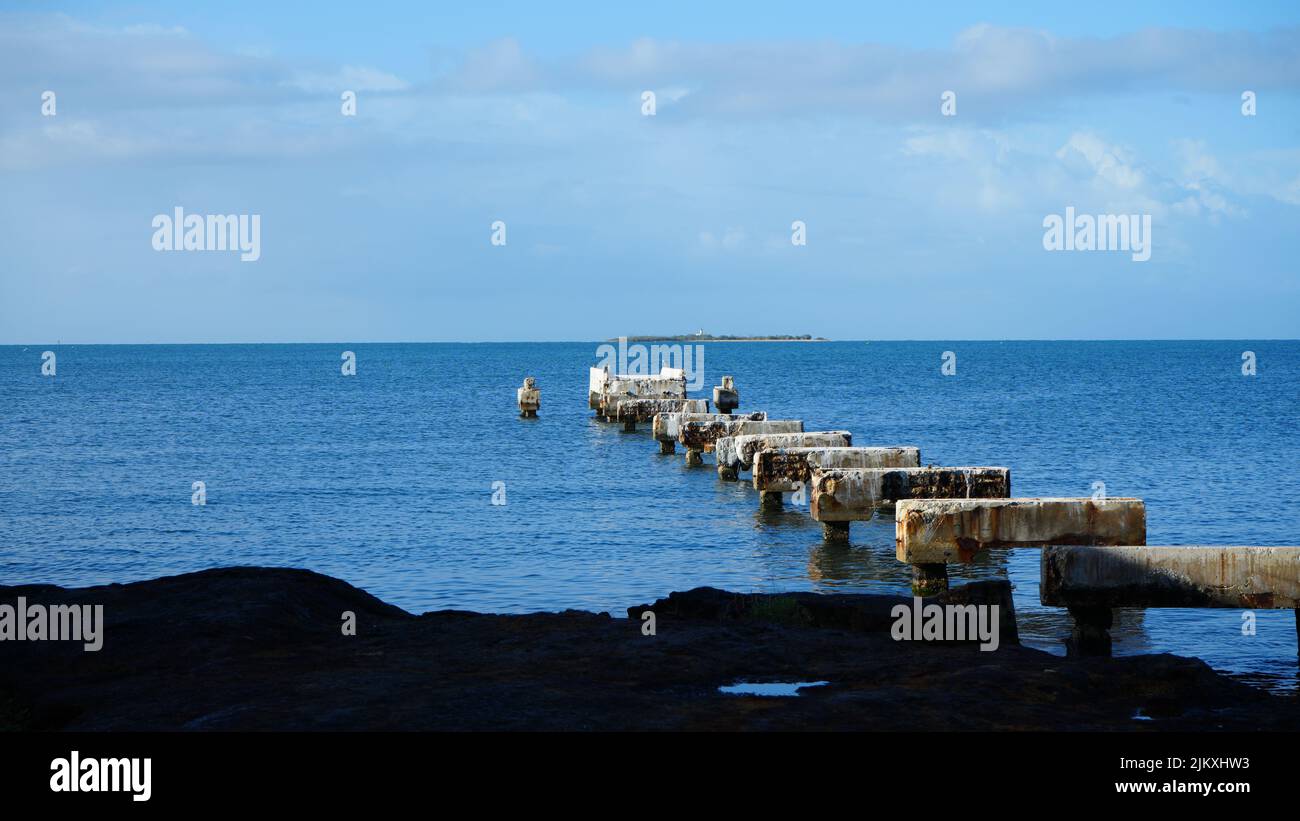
530, 398
725, 397
929, 579
667, 448
694, 457
835, 531
769, 498
1091, 633
727, 473
629, 425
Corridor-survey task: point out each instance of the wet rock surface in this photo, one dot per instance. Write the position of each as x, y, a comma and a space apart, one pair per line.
259, 648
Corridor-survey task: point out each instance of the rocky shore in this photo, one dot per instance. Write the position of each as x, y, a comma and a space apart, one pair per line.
264, 649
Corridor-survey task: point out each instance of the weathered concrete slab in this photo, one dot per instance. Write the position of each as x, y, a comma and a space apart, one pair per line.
784, 470
737, 452
670, 383
1171, 576
666, 427
935, 531
701, 436
854, 494
644, 410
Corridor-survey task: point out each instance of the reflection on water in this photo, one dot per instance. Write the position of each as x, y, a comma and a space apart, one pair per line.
769, 688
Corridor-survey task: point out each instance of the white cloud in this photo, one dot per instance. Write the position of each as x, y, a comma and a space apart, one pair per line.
1113, 165
347, 78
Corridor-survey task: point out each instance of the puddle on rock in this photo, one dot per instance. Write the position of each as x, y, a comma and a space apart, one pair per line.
769, 688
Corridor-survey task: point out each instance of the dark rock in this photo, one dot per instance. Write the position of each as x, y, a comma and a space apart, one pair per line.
254, 648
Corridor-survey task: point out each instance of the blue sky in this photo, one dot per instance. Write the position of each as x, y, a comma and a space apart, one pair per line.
377, 227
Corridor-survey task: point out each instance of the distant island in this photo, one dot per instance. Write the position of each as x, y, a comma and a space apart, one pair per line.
700, 336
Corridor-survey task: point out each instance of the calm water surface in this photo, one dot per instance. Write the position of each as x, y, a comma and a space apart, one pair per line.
385, 479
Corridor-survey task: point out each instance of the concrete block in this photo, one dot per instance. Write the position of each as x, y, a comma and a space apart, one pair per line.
737, 452
670, 383
955, 530
783, 470
666, 427
725, 396
1252, 578
643, 410
701, 436
854, 494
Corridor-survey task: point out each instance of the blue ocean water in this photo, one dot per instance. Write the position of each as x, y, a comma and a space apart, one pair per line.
385, 479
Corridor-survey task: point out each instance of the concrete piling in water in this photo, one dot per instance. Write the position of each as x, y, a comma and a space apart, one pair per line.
701, 436
736, 453
665, 427
1093, 581
928, 579
634, 411
785, 470
938, 531
529, 397
1094, 557
725, 396
835, 531
603, 388
855, 494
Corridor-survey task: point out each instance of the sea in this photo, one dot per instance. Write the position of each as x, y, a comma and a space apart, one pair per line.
387, 478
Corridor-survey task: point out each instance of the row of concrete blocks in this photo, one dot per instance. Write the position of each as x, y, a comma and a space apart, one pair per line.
1094, 552
632, 399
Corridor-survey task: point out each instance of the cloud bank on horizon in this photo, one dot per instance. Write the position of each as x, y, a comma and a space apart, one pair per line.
922, 221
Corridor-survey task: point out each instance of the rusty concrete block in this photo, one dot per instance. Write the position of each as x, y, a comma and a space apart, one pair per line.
784, 470
666, 427
854, 494
737, 452
955, 530
1171, 576
644, 410
670, 383
701, 436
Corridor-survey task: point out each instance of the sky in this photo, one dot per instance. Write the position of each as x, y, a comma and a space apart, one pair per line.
920, 222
